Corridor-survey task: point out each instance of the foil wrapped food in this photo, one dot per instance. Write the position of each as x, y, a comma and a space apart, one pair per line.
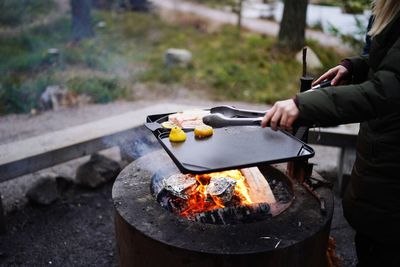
180, 185
221, 187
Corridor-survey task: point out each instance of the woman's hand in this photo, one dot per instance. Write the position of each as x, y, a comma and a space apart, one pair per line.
336, 74
282, 115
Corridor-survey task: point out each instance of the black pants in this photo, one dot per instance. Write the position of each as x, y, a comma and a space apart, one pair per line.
371, 253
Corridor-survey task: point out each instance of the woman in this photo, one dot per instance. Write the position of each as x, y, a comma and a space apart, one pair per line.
372, 200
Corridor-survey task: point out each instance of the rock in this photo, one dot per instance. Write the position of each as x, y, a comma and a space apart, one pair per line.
63, 184
177, 57
97, 171
56, 96
53, 51
101, 24
313, 62
44, 191
52, 58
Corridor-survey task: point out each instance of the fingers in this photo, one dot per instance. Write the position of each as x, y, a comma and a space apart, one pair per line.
283, 124
291, 119
281, 115
268, 117
335, 74
341, 73
276, 118
336, 80
327, 75
323, 77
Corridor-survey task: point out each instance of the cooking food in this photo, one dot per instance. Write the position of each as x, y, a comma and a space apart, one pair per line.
203, 131
221, 187
177, 135
180, 185
188, 119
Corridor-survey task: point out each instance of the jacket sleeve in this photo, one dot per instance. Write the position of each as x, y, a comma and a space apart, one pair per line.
371, 99
360, 68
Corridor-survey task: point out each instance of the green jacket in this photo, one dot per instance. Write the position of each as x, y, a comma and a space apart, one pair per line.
372, 199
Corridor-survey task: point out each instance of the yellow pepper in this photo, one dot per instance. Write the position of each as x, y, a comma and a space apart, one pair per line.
177, 135
203, 131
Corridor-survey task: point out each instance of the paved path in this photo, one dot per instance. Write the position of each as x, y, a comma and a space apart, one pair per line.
256, 25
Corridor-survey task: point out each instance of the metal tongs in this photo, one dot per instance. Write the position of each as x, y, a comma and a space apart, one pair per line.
223, 116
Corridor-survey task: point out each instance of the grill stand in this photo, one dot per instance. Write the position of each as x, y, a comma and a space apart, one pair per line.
301, 170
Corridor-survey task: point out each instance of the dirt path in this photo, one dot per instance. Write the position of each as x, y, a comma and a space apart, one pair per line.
257, 25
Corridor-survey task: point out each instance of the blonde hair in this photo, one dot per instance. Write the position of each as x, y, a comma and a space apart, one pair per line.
384, 11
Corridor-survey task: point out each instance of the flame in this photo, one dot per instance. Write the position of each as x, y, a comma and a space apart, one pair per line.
198, 201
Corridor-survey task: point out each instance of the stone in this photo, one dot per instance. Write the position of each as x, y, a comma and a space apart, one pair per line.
177, 58
313, 62
48, 188
63, 184
97, 171
44, 191
56, 96
101, 24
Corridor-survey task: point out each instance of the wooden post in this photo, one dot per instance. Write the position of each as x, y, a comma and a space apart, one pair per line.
297, 170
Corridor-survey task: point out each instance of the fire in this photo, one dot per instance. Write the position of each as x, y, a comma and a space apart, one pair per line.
200, 202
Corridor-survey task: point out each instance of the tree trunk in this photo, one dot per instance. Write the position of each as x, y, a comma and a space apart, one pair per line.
140, 5
239, 19
81, 20
293, 24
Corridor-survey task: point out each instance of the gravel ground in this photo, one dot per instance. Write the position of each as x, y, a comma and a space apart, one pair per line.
77, 230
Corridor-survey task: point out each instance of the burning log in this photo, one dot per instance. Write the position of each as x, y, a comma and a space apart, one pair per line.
259, 189
235, 214
180, 185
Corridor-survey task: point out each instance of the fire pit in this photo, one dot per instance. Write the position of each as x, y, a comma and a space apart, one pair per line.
150, 235
228, 197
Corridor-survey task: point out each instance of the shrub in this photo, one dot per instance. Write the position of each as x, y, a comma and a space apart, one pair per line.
16, 12
101, 90
19, 96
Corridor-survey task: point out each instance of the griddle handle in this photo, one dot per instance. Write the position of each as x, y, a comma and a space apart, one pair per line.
153, 126
322, 205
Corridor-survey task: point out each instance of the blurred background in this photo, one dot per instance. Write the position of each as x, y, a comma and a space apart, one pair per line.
98, 51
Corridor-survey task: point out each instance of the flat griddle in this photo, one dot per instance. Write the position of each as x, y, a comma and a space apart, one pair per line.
229, 147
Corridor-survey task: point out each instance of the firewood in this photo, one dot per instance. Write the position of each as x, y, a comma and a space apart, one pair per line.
259, 189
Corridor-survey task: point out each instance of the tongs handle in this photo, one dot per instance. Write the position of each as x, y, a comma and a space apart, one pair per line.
218, 120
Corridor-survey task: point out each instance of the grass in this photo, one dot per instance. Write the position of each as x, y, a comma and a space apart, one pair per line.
131, 47
14, 13
249, 68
